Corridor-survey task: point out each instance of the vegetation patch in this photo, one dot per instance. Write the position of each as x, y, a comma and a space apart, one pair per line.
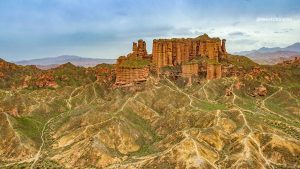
29, 128
137, 63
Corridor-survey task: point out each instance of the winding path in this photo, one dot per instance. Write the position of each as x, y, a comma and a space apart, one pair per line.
37, 156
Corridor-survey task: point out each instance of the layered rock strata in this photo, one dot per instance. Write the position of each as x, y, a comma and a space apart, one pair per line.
190, 70
213, 71
135, 67
131, 75
170, 52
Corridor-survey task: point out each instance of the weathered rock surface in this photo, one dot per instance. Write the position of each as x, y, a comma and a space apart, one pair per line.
260, 91
213, 71
131, 75
189, 70
135, 67
46, 80
139, 50
170, 52
228, 92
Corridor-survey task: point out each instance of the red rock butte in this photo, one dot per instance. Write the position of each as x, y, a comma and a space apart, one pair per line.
135, 67
173, 52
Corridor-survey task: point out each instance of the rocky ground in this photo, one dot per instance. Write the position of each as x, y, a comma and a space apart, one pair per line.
159, 124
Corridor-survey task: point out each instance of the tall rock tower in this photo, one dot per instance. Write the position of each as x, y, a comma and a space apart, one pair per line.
139, 49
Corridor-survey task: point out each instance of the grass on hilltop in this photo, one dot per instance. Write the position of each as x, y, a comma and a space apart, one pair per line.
135, 63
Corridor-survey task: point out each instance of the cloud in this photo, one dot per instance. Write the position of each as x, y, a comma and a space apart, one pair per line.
237, 34
236, 23
106, 28
245, 41
283, 31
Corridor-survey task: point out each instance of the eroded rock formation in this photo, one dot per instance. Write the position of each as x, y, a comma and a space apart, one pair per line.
186, 53
46, 80
190, 70
260, 91
213, 71
131, 75
167, 52
171, 52
139, 50
135, 67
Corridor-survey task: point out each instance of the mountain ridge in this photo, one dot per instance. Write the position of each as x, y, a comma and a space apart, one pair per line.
295, 47
54, 61
265, 55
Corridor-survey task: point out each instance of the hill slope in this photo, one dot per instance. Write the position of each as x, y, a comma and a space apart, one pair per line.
159, 124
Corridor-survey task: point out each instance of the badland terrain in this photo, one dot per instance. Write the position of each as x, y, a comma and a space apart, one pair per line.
188, 104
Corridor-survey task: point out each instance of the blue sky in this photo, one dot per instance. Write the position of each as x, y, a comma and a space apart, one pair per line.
106, 28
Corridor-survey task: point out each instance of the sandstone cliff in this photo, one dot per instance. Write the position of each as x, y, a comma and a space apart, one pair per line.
131, 75
190, 70
135, 67
213, 71
170, 52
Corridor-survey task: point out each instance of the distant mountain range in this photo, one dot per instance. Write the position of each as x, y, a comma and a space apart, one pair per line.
51, 62
274, 55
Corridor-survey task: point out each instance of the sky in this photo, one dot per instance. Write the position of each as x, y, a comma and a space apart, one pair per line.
32, 29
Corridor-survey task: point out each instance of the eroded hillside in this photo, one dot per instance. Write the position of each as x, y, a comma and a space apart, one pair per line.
217, 123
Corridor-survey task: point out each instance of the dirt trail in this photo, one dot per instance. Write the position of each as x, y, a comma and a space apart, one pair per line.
180, 91
37, 156
246, 151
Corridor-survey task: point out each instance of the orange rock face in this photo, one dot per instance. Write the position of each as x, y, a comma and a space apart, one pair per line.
218, 71
170, 52
173, 52
46, 80
131, 75
213, 71
139, 50
189, 70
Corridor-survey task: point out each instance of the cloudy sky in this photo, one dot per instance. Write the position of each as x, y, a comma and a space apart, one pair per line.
106, 28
